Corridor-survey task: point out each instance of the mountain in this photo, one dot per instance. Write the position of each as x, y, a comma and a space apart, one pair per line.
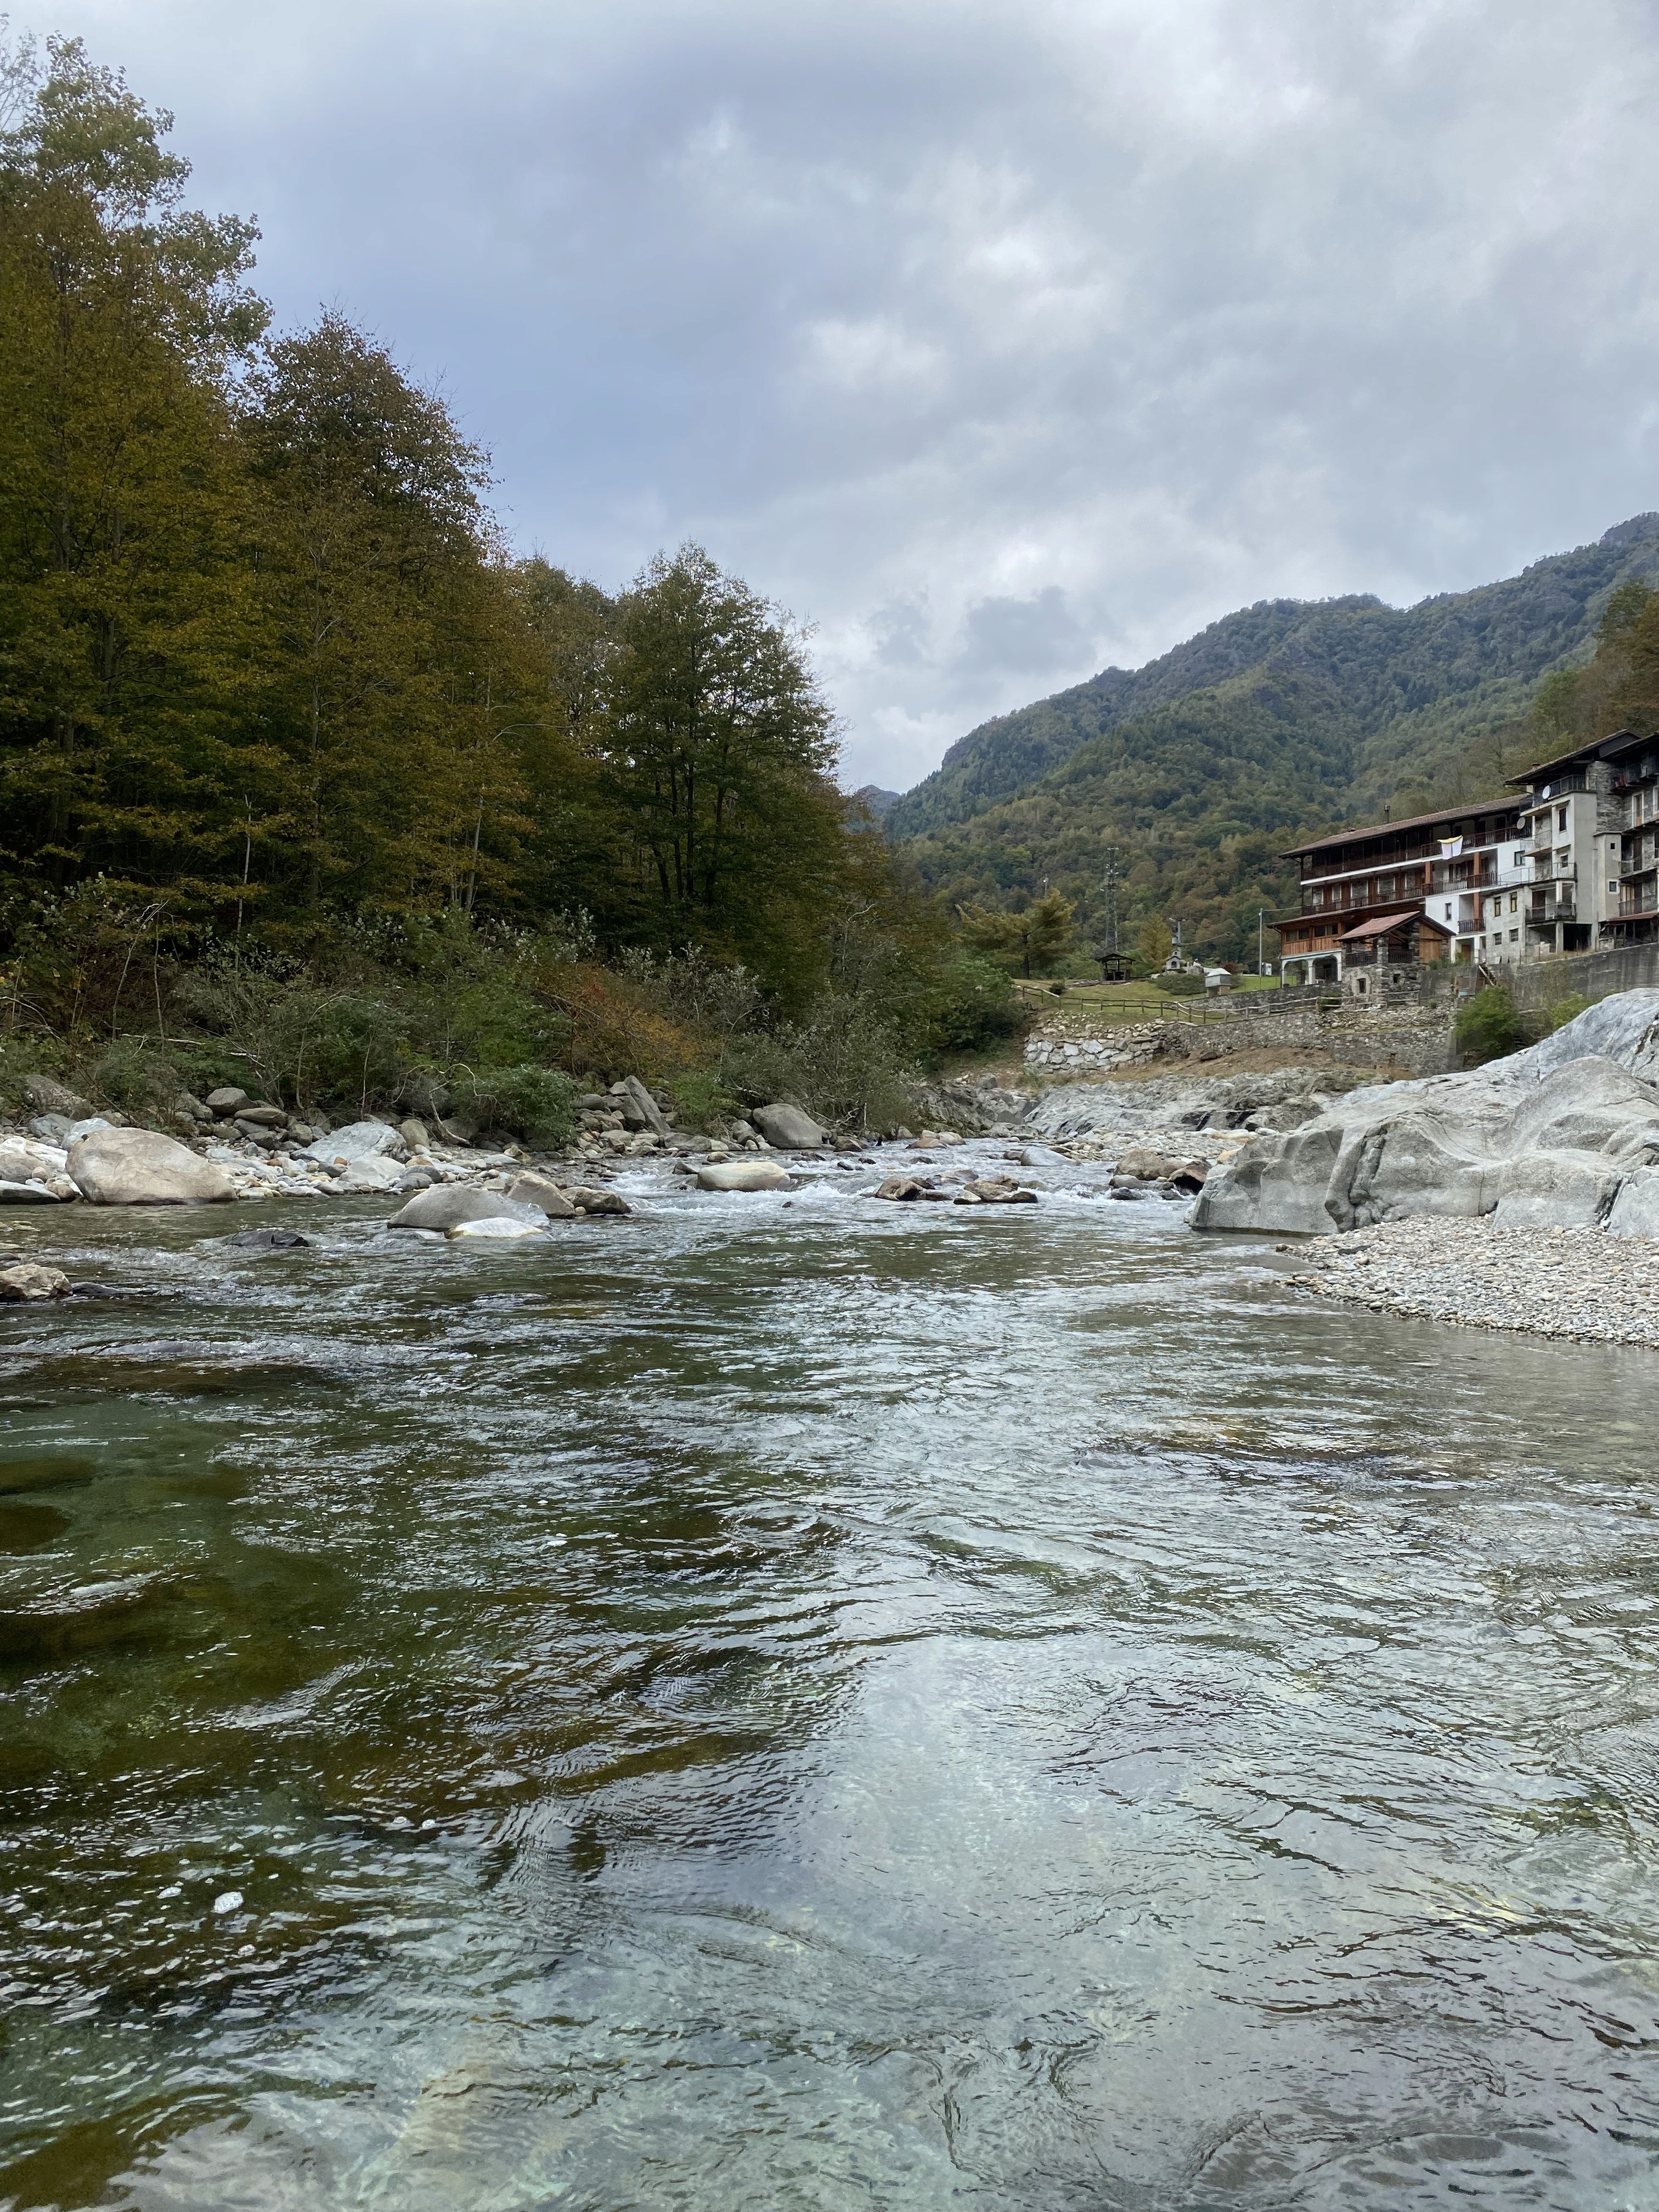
1286, 718
880, 803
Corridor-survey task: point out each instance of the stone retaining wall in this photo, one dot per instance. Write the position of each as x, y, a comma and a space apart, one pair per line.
1410, 1037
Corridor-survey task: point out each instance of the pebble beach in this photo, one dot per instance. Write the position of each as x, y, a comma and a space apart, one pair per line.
1578, 1284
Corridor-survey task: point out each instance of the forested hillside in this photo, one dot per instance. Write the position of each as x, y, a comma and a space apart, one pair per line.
1286, 718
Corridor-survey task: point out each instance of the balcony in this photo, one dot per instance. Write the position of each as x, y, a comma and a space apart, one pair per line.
1640, 902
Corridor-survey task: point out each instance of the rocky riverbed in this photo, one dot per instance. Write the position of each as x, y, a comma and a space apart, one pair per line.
1581, 1283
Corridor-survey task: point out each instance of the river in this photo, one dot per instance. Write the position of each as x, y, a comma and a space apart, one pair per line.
814, 1705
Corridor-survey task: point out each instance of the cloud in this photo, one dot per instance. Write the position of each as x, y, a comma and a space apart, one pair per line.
998, 340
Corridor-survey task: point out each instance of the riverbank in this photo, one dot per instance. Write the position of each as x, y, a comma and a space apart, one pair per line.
1581, 1284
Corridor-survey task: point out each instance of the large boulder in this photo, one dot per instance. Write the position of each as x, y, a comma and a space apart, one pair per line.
743, 1174
537, 1190
138, 1167
788, 1127
448, 1205
358, 1141
1554, 1136
639, 1110
46, 1095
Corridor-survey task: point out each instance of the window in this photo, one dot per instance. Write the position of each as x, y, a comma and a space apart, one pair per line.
1514, 936
1560, 817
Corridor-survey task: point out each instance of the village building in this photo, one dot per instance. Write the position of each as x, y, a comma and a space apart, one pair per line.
1570, 864
1379, 902
1591, 815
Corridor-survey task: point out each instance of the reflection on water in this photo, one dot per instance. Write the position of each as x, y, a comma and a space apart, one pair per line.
815, 1706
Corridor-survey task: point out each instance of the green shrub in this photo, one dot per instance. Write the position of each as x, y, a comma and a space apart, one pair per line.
1488, 1027
1181, 986
536, 1103
700, 1098
1566, 1009
133, 1074
843, 1063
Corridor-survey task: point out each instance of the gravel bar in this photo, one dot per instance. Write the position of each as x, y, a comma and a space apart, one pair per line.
1579, 1283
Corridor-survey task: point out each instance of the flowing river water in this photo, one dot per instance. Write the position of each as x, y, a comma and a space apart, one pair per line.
814, 1705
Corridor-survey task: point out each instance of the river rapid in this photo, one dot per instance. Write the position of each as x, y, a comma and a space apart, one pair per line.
805, 1703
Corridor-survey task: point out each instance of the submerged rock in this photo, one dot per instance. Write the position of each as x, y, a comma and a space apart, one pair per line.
901, 1188
267, 1240
585, 1201
499, 1224
452, 1205
138, 1167
996, 1190
743, 1174
25, 1282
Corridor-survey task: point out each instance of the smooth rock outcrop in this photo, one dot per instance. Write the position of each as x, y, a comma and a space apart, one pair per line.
788, 1127
498, 1225
743, 1174
1556, 1136
450, 1204
138, 1167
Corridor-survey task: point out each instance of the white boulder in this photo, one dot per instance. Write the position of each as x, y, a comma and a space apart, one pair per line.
743, 1174
451, 1205
358, 1141
139, 1167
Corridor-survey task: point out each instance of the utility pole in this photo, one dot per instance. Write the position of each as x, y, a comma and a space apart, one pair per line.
1260, 938
1109, 890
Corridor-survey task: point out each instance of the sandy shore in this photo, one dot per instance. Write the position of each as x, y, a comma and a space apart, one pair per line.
1580, 1284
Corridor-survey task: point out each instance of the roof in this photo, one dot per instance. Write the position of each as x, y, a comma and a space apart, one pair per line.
1598, 749
1410, 822
1382, 925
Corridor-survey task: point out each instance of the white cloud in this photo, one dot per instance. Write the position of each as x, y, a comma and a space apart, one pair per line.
997, 339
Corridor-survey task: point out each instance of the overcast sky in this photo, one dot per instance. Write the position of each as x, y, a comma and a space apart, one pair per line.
999, 341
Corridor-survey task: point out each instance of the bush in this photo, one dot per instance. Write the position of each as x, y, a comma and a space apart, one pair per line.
134, 1076
700, 1098
536, 1103
1566, 1009
844, 1064
1488, 1027
1181, 986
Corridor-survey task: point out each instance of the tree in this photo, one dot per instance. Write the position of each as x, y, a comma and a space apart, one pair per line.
1154, 941
717, 753
124, 615
1031, 940
394, 674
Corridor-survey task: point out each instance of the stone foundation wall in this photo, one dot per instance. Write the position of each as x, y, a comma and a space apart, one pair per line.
1411, 1037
